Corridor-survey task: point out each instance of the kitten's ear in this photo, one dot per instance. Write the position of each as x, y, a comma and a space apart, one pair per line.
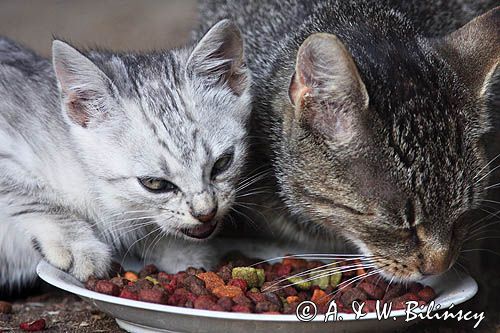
326, 89
219, 57
474, 50
86, 91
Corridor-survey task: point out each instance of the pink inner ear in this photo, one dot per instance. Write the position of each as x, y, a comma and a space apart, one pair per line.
296, 91
76, 111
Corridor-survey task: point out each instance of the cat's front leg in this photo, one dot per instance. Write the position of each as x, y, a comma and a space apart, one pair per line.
68, 243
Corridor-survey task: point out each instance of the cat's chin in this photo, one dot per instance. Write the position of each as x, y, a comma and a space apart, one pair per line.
204, 231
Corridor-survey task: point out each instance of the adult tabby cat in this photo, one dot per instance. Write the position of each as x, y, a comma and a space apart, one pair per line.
372, 130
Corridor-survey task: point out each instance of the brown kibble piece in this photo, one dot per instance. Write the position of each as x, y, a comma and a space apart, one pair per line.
91, 283
204, 302
256, 296
129, 293
225, 303
148, 270
295, 263
225, 272
242, 300
373, 291
195, 285
241, 308
119, 281
107, 287
352, 295
153, 296
394, 290
427, 294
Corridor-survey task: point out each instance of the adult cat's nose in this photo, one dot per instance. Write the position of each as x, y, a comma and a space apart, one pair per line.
435, 263
205, 217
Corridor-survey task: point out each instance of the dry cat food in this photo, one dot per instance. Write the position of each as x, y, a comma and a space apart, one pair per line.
242, 286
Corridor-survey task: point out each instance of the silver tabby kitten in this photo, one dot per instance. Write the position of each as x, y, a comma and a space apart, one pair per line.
99, 149
372, 130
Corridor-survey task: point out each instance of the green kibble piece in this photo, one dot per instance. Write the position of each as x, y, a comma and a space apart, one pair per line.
335, 279
321, 281
255, 290
253, 276
150, 279
300, 283
261, 275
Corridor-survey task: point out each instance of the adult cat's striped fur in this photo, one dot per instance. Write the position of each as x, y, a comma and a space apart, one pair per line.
99, 149
373, 130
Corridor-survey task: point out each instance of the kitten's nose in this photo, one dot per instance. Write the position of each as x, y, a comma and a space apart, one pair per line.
205, 217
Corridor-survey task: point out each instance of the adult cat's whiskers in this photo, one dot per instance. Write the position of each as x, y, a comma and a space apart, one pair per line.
319, 272
490, 214
485, 166
480, 249
247, 194
473, 232
319, 256
354, 279
252, 180
486, 175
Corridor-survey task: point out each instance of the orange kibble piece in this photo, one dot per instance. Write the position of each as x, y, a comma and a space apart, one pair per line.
319, 297
227, 291
212, 280
131, 276
292, 299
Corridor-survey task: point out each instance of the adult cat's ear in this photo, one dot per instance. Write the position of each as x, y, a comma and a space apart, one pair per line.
219, 57
326, 89
86, 91
474, 50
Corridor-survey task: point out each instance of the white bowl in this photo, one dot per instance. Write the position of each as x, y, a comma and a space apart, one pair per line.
136, 316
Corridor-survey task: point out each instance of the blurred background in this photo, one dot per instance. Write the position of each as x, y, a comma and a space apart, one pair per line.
119, 25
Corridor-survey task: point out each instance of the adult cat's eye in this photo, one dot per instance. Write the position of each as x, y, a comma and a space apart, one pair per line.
222, 164
157, 185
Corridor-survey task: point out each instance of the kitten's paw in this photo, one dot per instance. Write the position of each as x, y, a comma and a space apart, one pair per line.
58, 255
90, 257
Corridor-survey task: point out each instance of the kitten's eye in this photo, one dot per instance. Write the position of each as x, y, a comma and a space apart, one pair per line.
157, 185
222, 164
